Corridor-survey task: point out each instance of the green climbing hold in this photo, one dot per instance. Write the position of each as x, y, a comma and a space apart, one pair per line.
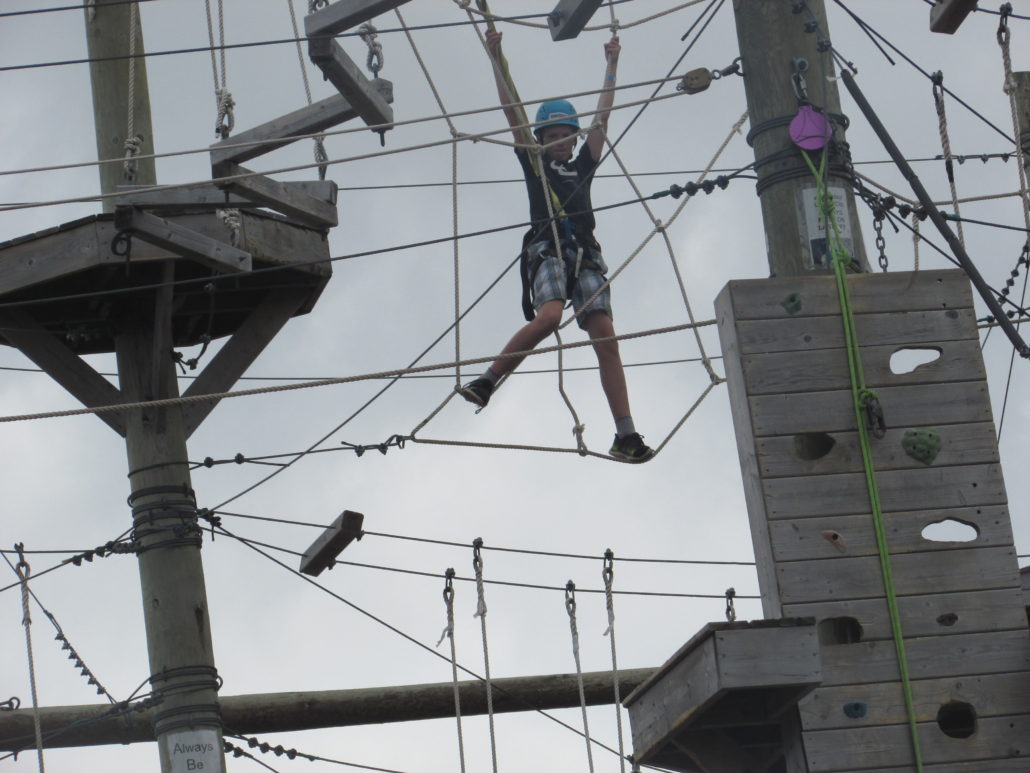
792, 303
923, 445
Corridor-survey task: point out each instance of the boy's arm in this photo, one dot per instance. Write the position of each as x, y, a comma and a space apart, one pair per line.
521, 133
595, 138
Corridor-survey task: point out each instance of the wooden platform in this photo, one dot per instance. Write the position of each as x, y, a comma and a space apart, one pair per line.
958, 589
718, 704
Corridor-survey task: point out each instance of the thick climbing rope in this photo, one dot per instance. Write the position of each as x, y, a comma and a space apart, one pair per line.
133, 144
454, 201
225, 120
23, 571
949, 163
321, 157
570, 608
863, 398
477, 568
1009, 87
608, 576
448, 632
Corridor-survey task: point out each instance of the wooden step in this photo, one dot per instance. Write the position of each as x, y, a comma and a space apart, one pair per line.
285, 129
340, 70
206, 197
569, 17
275, 195
180, 240
343, 15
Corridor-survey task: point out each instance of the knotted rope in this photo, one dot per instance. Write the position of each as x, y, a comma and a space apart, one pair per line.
448, 632
570, 607
23, 571
477, 567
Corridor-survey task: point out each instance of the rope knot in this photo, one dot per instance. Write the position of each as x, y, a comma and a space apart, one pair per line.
233, 220
225, 121
374, 63
463, 4
132, 146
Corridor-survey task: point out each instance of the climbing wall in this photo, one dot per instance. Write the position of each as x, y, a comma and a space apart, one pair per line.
957, 582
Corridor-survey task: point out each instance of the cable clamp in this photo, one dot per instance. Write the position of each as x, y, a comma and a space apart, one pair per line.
875, 421
11, 704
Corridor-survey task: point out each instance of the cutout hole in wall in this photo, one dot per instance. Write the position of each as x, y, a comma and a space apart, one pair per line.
908, 359
813, 445
950, 530
957, 719
839, 630
948, 619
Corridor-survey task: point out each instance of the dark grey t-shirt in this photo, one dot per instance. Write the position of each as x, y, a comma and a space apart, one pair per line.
570, 182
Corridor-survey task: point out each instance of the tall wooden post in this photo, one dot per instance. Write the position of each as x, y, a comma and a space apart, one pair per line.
187, 722
772, 42
1022, 80
108, 39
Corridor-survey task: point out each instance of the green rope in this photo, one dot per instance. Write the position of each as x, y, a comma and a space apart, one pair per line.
861, 397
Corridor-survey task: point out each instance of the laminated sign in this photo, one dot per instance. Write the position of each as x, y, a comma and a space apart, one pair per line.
194, 750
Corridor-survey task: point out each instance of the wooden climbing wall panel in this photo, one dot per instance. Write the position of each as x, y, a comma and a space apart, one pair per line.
946, 518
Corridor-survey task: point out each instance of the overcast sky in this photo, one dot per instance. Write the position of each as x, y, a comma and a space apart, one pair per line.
65, 483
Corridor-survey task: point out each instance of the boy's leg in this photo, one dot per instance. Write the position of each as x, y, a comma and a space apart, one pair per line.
613, 378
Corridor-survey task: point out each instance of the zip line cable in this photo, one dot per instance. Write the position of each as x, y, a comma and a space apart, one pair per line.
79, 7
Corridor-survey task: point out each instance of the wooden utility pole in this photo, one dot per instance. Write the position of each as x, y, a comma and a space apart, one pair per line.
1022, 85
776, 54
186, 722
109, 38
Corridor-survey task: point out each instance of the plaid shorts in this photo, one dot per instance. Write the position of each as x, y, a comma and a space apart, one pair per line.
552, 276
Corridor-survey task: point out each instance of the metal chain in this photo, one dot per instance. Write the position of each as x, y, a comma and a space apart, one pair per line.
448, 632
570, 607
731, 612
608, 576
881, 243
477, 567
23, 571
1009, 88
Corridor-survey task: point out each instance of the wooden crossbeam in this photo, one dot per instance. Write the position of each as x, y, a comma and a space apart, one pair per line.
206, 197
569, 17
182, 241
277, 196
65, 367
947, 15
340, 70
324, 550
345, 14
283, 130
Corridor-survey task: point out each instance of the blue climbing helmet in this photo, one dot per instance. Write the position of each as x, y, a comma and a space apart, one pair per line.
556, 112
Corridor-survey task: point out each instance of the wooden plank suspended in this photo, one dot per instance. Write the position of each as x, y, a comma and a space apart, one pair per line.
801, 539
276, 195
206, 197
870, 294
933, 487
340, 70
569, 17
847, 577
947, 15
904, 406
282, 131
934, 614
884, 703
322, 553
182, 241
342, 15
891, 745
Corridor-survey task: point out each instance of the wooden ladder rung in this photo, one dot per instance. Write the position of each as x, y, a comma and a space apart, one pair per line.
343, 15
344, 74
281, 197
207, 197
285, 129
180, 240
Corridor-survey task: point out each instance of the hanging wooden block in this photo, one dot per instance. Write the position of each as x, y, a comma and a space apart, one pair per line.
569, 17
277, 196
343, 15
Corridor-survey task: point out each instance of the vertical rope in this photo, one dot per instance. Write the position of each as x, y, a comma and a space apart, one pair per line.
23, 570
321, 157
477, 567
570, 607
608, 575
225, 119
915, 241
949, 159
1010, 89
448, 632
132, 144
577, 427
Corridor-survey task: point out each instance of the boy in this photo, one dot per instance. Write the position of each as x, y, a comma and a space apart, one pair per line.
575, 267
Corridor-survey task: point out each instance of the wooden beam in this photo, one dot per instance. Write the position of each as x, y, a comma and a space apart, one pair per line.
285, 129
262, 325
569, 17
183, 241
324, 550
947, 15
276, 195
206, 197
65, 367
340, 70
69, 726
345, 14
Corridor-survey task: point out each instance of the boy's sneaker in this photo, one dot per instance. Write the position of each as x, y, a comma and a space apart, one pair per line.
478, 391
631, 448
